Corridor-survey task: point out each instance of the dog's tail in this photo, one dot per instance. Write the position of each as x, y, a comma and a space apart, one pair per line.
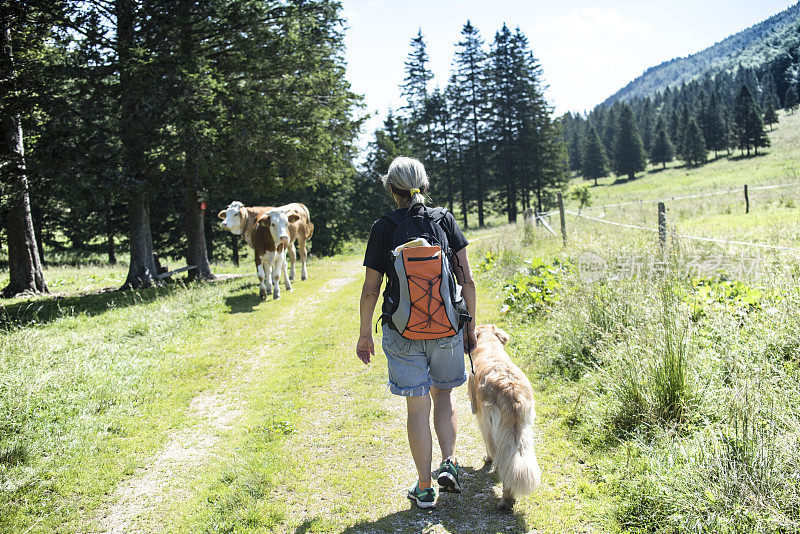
515, 454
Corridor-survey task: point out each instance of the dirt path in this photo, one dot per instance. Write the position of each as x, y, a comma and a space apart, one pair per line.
345, 464
171, 474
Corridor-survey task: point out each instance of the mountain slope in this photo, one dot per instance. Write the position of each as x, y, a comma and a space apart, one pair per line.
752, 47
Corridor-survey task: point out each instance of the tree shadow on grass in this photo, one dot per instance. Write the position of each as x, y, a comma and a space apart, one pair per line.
741, 157
474, 510
45, 310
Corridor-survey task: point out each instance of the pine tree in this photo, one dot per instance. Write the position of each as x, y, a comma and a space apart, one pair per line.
694, 146
442, 157
542, 161
415, 84
715, 133
662, 151
19, 28
743, 108
629, 157
470, 76
576, 132
646, 124
790, 101
503, 128
756, 136
683, 127
455, 99
770, 115
415, 90
594, 162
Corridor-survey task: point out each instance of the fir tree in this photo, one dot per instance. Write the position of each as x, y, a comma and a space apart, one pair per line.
415, 84
790, 101
694, 146
415, 91
743, 108
470, 76
662, 151
756, 136
770, 115
629, 156
594, 162
715, 132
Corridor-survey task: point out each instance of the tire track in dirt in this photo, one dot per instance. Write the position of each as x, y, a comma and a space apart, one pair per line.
169, 475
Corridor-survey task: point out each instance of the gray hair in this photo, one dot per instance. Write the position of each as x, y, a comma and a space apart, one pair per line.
404, 175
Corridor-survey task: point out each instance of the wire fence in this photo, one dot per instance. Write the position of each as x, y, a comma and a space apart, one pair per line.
684, 236
683, 197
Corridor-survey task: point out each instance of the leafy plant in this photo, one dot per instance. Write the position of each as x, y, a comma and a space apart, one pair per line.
581, 195
536, 286
731, 296
488, 262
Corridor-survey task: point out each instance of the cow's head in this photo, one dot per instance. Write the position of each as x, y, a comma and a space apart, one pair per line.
277, 221
234, 218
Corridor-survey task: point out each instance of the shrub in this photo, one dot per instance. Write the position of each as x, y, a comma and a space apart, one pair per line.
722, 294
535, 287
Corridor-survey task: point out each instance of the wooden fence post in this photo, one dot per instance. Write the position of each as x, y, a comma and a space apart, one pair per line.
662, 225
563, 220
235, 248
746, 200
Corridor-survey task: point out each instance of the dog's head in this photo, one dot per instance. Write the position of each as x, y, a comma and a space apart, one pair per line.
491, 329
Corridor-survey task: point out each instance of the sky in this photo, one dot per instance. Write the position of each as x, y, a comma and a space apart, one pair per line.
588, 50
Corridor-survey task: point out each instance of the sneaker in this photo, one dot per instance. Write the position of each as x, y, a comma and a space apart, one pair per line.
448, 476
423, 498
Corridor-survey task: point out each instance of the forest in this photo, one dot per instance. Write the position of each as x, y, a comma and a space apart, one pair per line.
489, 137
129, 123
126, 121
715, 115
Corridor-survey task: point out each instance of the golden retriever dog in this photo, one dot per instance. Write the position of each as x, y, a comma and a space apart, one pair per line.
502, 400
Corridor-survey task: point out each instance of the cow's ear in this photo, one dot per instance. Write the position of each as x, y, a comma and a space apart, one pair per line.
294, 217
502, 335
221, 214
263, 220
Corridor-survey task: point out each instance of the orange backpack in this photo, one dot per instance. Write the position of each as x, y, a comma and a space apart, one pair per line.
424, 299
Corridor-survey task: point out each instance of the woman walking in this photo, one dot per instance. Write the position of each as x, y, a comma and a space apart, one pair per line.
424, 371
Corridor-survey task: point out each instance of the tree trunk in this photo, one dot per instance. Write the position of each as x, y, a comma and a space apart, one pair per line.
142, 268
24, 263
196, 253
511, 204
447, 166
36, 218
463, 183
112, 254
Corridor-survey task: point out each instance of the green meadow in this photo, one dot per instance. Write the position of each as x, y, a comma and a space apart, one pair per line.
667, 401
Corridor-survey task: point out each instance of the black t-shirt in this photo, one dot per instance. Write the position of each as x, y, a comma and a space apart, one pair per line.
380, 240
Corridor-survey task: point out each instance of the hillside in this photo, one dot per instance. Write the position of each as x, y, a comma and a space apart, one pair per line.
753, 47
778, 164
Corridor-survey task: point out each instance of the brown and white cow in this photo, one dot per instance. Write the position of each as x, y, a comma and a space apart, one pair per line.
271, 232
300, 229
270, 249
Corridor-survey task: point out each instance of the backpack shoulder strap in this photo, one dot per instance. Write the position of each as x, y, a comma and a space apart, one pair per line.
393, 218
437, 214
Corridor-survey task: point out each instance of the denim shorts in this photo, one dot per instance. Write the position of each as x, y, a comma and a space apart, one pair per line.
417, 364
